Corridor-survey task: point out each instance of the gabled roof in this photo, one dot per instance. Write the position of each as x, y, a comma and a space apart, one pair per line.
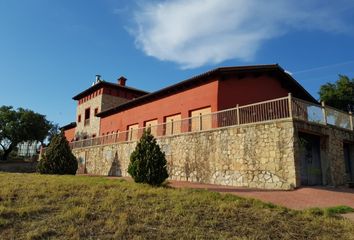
106, 84
298, 90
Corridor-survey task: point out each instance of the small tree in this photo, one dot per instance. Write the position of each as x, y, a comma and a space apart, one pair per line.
58, 158
339, 94
148, 163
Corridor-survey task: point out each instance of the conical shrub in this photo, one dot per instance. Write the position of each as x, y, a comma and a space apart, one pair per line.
58, 158
147, 162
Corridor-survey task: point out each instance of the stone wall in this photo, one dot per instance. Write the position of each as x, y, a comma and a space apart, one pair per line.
18, 167
109, 101
331, 148
102, 102
257, 155
94, 125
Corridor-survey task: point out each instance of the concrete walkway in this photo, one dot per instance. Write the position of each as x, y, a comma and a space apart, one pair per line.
302, 198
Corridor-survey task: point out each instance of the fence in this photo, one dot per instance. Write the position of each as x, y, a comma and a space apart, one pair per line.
280, 108
321, 114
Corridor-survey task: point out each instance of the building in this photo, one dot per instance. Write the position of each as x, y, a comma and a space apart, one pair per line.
223, 99
101, 96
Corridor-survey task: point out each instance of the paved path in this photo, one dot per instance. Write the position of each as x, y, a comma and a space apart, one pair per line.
299, 199
302, 198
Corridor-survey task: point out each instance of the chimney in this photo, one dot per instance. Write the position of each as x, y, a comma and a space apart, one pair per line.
121, 81
98, 78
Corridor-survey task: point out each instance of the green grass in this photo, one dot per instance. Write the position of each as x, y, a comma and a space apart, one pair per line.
330, 211
66, 207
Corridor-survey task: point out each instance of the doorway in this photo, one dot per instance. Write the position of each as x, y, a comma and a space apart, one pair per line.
349, 161
310, 160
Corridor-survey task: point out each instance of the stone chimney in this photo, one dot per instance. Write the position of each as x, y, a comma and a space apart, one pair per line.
121, 81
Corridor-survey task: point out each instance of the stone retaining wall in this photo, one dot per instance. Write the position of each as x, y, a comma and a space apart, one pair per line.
331, 150
257, 155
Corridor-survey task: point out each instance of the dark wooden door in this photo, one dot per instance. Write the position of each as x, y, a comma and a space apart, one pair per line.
310, 160
349, 162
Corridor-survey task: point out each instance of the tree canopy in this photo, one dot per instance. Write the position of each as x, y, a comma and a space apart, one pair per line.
21, 125
339, 94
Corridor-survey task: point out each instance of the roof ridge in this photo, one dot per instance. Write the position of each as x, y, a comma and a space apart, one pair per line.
97, 85
193, 78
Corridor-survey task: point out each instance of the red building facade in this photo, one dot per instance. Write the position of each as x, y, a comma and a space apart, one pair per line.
216, 90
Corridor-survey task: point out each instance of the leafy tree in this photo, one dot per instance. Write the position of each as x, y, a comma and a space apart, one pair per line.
148, 163
21, 125
339, 94
58, 158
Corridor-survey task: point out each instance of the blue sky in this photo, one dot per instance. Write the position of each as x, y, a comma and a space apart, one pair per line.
51, 50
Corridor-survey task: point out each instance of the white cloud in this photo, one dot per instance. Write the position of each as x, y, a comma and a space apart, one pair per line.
193, 33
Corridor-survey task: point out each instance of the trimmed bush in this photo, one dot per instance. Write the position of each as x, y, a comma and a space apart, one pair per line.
58, 158
148, 163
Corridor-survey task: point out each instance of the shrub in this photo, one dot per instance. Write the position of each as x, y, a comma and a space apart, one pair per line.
147, 162
58, 158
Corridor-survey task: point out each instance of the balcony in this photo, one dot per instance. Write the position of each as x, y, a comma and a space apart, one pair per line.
261, 112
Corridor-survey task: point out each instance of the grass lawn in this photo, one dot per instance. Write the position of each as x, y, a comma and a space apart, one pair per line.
71, 207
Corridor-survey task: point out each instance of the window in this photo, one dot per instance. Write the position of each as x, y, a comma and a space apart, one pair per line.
173, 124
201, 119
96, 111
152, 124
79, 118
87, 113
87, 116
133, 132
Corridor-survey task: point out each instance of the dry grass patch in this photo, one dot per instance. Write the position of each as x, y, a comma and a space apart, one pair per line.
77, 207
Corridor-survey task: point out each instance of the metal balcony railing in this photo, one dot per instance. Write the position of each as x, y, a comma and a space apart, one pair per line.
280, 108
321, 114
